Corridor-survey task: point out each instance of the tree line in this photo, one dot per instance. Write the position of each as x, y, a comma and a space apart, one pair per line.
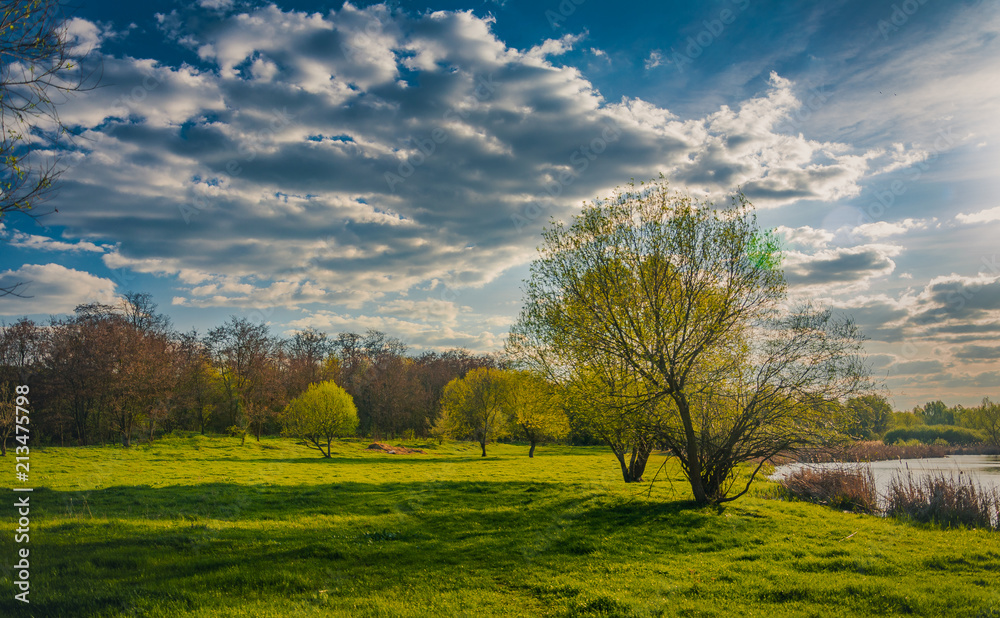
117, 374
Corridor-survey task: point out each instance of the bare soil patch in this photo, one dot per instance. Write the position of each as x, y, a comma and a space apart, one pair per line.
393, 450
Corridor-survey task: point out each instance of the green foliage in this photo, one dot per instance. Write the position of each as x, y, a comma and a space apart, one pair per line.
325, 411
197, 527
870, 416
534, 408
986, 418
937, 413
900, 420
927, 434
475, 407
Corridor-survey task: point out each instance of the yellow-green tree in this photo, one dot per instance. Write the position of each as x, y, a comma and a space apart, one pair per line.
324, 412
534, 408
674, 313
475, 407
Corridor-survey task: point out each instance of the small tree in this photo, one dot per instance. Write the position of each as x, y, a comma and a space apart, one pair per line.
534, 409
475, 406
324, 412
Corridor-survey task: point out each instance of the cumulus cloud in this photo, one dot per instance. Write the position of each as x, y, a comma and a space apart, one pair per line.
325, 158
984, 216
53, 289
885, 229
845, 268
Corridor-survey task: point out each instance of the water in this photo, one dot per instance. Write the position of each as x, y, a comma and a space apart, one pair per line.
983, 469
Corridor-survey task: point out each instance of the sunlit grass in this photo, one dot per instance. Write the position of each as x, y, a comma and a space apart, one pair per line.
194, 526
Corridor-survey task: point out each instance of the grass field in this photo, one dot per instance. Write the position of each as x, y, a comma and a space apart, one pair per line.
194, 526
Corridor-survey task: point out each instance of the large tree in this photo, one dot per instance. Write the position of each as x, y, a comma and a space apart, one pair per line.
678, 311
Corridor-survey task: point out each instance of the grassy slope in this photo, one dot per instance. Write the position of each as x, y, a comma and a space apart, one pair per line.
202, 527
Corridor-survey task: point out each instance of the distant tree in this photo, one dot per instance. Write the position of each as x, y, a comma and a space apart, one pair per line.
139, 310
324, 412
432, 373
937, 413
685, 304
474, 407
534, 409
20, 352
373, 368
307, 355
243, 353
987, 420
870, 416
199, 388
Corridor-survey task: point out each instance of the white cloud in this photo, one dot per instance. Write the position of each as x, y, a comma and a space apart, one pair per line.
884, 229
654, 59
983, 216
53, 289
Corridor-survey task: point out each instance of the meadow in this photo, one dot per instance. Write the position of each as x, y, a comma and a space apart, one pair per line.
200, 526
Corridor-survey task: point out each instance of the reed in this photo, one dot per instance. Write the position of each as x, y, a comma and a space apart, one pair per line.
948, 501
847, 489
944, 500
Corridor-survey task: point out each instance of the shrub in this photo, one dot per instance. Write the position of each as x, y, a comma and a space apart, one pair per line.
928, 434
849, 489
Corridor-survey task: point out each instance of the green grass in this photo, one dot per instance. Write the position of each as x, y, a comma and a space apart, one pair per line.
194, 526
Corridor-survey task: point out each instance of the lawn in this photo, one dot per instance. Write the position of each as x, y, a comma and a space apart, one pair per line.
196, 526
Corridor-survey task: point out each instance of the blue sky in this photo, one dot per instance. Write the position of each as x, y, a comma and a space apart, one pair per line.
390, 166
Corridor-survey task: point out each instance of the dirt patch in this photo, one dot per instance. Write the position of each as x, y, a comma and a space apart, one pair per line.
393, 450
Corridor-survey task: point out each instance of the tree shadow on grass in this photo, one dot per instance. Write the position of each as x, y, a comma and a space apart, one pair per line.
138, 550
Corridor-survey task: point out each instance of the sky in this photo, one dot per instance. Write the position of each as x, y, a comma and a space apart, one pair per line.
348, 166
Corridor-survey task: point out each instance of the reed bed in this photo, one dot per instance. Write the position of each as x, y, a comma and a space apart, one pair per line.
847, 489
948, 501
943, 500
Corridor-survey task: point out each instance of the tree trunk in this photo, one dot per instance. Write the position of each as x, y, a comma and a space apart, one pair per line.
693, 459
483, 445
633, 469
3, 447
531, 451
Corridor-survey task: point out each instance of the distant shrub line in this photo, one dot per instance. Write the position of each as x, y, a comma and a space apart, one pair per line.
930, 434
875, 450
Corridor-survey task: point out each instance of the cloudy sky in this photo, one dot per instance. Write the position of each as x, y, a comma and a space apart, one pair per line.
390, 166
